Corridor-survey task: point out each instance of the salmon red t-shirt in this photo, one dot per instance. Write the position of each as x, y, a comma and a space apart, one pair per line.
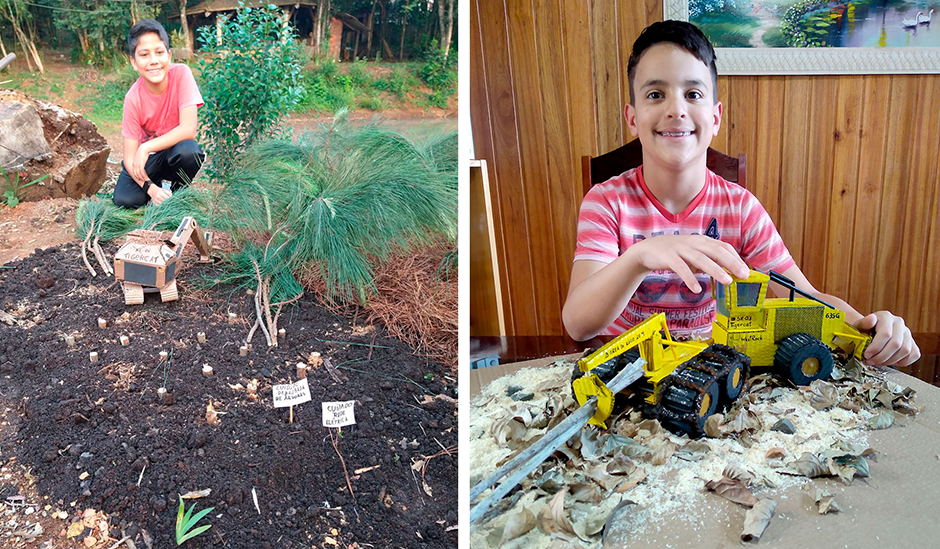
622, 211
147, 116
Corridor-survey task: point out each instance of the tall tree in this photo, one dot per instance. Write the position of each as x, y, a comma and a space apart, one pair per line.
446, 24
185, 26
18, 16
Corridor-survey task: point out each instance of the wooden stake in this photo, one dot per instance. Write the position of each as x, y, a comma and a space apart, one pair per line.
232, 317
243, 350
125, 340
70, 341
206, 370
301, 370
281, 333
93, 356
163, 355
102, 323
201, 337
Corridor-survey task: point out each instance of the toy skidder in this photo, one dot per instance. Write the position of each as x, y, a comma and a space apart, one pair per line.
149, 259
685, 382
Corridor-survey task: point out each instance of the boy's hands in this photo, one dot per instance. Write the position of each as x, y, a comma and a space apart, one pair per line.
686, 255
158, 194
893, 344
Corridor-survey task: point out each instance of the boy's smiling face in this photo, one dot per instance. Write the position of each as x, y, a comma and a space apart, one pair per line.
675, 114
152, 61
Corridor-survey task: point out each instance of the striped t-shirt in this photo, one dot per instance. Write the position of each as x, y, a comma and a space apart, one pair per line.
622, 211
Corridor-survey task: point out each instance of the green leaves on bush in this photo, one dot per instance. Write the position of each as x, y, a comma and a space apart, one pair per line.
185, 523
249, 82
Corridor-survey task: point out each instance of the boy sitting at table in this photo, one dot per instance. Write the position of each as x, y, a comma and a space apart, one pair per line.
650, 239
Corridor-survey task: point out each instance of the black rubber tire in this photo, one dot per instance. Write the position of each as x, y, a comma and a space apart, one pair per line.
681, 400
731, 390
804, 358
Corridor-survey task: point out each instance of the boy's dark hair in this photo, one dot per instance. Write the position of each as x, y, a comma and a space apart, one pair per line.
681, 33
143, 27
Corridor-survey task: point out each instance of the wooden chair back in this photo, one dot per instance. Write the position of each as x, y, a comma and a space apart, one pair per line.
601, 168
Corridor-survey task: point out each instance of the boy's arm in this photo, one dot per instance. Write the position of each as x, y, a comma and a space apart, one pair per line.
135, 168
185, 130
892, 344
598, 293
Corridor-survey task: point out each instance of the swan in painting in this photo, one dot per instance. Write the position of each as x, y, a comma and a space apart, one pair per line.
911, 23
926, 19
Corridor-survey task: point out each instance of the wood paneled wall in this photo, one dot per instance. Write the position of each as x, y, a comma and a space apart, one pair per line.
847, 166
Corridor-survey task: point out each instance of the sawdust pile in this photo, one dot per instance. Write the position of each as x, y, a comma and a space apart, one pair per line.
773, 438
416, 301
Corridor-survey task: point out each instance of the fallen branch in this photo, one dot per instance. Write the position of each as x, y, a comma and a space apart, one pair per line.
122, 540
343, 462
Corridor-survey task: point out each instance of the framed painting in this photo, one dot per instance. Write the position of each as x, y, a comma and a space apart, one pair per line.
817, 36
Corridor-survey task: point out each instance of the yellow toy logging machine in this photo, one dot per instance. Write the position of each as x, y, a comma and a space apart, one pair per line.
687, 381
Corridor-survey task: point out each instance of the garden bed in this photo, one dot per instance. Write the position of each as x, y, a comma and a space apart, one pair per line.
76, 435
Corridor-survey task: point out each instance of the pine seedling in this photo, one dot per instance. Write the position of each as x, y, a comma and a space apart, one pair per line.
185, 523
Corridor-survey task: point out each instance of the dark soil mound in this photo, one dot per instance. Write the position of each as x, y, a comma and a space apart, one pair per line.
65, 416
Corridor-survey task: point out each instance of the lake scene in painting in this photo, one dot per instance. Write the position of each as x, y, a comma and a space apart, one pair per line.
811, 23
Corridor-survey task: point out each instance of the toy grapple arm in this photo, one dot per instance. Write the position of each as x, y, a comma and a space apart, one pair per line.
188, 230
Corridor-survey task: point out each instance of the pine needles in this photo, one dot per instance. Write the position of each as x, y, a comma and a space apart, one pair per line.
98, 220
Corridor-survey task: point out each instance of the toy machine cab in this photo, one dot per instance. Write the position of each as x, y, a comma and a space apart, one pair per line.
794, 334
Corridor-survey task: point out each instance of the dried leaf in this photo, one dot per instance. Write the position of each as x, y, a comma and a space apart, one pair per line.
506, 430
612, 517
881, 421
757, 519
745, 420
626, 446
600, 475
825, 503
809, 465
592, 441
583, 491
713, 425
427, 488
776, 452
547, 385
197, 494
736, 472
518, 524
620, 465
636, 477
662, 454
626, 428
694, 450
732, 490
552, 517
651, 425
823, 395
850, 466
586, 520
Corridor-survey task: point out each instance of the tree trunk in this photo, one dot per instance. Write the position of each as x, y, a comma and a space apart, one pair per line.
371, 26
12, 14
445, 38
3, 48
404, 18
316, 36
440, 22
184, 24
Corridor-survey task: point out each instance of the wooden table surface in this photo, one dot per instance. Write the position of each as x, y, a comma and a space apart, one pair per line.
490, 350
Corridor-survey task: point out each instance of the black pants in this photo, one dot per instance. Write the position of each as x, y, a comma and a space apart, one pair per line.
178, 165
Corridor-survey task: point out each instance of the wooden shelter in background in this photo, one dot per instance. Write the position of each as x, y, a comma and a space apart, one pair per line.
301, 13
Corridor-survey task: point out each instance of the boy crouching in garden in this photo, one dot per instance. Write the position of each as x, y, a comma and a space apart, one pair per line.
650, 239
159, 124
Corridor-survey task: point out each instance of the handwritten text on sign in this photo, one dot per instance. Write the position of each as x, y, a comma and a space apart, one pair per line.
291, 395
339, 414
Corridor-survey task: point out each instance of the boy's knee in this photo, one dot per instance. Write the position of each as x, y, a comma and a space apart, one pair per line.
126, 201
188, 153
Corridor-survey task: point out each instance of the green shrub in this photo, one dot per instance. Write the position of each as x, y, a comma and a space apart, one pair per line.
372, 103
359, 74
249, 83
438, 71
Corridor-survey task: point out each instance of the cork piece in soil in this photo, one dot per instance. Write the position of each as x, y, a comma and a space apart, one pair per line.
668, 505
76, 435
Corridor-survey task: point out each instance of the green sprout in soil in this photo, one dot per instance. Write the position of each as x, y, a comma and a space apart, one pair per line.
12, 187
185, 523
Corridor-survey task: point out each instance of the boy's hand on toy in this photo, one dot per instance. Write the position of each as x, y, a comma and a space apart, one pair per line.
158, 194
893, 344
686, 255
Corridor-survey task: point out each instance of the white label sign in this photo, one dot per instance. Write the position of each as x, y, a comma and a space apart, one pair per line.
291, 395
339, 414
